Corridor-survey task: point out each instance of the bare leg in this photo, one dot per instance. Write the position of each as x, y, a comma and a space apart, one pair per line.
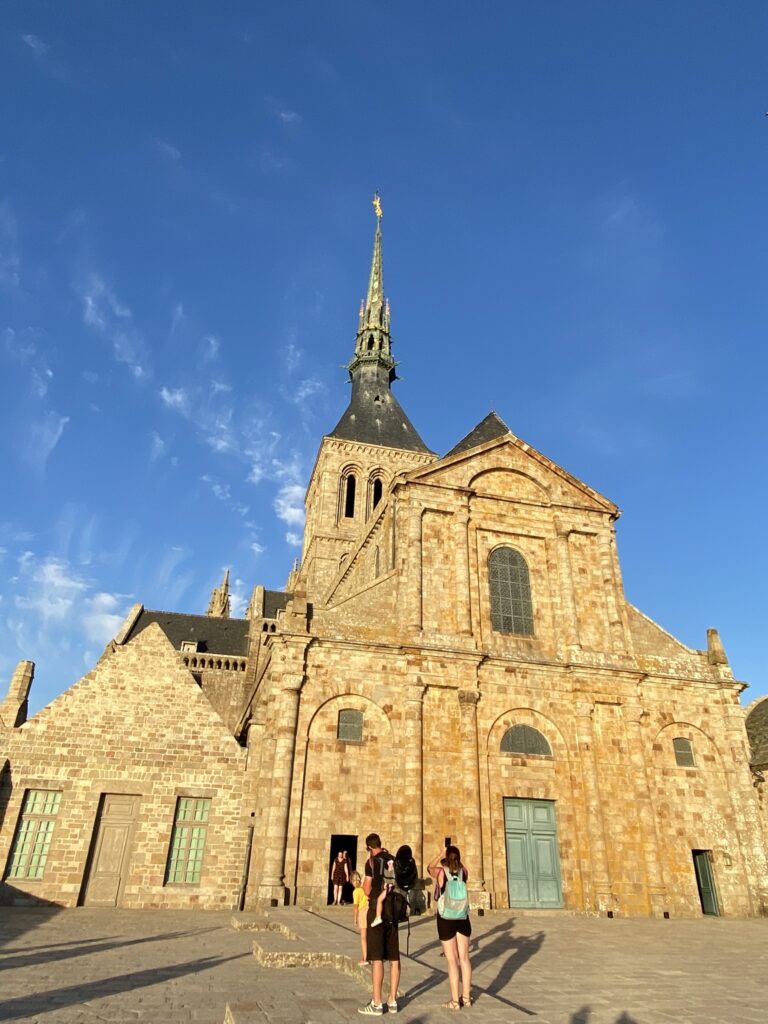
462, 946
377, 979
364, 941
394, 979
452, 959
336, 894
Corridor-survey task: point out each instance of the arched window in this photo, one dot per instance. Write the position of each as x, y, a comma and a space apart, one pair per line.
350, 727
370, 343
377, 489
510, 587
683, 752
524, 739
349, 497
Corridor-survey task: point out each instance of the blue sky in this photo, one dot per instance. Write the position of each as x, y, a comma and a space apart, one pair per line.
574, 235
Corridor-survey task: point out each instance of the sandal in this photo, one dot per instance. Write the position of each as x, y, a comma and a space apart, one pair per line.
465, 1002
451, 1005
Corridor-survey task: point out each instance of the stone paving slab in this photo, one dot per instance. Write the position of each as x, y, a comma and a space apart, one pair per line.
184, 967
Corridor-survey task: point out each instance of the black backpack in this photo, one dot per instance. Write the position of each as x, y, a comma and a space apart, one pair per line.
406, 872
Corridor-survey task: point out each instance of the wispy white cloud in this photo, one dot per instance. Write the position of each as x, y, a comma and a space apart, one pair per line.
289, 504
177, 318
23, 347
10, 264
175, 398
105, 314
210, 348
44, 433
36, 44
292, 356
294, 539
166, 150
157, 447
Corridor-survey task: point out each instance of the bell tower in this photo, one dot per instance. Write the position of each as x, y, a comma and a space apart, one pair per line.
372, 442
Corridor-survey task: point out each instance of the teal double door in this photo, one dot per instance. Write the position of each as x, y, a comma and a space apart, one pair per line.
533, 863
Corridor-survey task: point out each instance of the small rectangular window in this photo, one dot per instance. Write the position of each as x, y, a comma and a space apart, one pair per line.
350, 727
34, 833
190, 827
683, 752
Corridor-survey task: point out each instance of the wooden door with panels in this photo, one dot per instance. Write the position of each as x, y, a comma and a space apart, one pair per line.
110, 850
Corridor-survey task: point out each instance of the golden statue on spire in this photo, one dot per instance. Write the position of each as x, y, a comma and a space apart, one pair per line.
377, 204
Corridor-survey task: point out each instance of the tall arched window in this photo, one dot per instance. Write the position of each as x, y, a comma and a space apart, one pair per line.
683, 752
510, 588
377, 489
349, 497
524, 739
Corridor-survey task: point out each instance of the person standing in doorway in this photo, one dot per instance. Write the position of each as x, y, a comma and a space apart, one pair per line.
383, 942
453, 925
339, 876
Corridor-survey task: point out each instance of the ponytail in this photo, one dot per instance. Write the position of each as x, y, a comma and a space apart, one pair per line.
453, 859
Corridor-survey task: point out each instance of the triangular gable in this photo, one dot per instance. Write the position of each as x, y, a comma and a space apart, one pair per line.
138, 696
486, 430
462, 464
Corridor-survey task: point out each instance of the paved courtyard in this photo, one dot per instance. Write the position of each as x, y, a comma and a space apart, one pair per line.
88, 966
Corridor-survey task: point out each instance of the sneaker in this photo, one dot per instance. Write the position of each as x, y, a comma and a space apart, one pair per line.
376, 922
371, 1009
393, 1007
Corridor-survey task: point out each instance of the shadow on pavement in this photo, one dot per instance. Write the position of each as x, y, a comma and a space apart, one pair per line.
582, 1017
53, 1000
29, 956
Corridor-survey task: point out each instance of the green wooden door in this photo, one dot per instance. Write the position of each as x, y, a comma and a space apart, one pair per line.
705, 881
533, 863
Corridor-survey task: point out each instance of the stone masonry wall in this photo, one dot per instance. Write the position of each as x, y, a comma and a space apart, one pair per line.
137, 724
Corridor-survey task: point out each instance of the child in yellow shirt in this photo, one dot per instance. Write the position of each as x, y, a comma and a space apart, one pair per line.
360, 904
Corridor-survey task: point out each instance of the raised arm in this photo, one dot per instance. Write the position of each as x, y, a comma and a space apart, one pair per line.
435, 867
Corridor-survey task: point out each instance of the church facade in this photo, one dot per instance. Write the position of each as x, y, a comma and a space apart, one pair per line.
453, 656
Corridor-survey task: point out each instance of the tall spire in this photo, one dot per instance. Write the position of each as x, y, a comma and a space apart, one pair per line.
373, 343
374, 415
218, 606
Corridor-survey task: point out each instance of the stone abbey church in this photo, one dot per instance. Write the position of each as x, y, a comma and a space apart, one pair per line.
454, 656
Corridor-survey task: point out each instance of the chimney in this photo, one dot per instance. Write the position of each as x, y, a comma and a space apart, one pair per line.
13, 709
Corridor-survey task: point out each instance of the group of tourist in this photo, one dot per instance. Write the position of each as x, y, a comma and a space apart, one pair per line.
379, 898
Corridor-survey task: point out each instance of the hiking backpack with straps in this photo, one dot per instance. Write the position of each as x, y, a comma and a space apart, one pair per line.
453, 904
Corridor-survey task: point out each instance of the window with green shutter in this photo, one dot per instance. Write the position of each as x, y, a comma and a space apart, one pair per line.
190, 827
33, 834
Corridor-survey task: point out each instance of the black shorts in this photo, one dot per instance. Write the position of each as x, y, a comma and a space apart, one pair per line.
447, 930
383, 940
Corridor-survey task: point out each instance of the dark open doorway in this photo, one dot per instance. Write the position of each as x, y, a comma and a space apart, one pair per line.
338, 844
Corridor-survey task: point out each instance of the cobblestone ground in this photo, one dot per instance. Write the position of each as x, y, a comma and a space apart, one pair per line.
87, 966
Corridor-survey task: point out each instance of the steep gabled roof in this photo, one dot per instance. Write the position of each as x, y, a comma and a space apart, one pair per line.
221, 636
486, 430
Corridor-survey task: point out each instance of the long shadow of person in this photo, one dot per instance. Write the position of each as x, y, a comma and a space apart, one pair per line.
581, 1016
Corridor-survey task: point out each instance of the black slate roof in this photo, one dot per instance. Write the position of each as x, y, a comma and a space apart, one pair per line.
274, 602
374, 416
221, 636
487, 430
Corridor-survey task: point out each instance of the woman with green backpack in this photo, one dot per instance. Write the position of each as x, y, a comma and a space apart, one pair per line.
453, 925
